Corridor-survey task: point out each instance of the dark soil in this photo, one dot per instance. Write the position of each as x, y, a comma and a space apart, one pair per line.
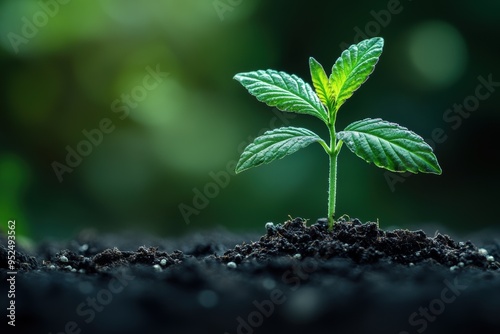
295, 279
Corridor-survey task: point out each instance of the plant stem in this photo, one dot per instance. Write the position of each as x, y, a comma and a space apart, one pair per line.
332, 189
332, 177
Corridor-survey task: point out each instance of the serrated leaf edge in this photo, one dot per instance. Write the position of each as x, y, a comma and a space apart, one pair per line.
308, 133
347, 53
434, 165
318, 110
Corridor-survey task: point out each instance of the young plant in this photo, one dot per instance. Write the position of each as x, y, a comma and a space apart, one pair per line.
387, 145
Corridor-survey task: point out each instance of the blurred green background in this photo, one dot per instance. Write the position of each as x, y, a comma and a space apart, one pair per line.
67, 66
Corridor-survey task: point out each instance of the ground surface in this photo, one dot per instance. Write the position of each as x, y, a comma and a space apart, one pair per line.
297, 278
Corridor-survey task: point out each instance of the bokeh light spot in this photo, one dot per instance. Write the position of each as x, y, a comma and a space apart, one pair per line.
438, 53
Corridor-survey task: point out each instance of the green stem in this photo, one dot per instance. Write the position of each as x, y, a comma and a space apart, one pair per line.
332, 178
332, 189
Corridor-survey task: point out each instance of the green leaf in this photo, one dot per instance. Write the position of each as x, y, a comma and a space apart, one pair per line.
275, 144
283, 91
321, 83
353, 67
390, 146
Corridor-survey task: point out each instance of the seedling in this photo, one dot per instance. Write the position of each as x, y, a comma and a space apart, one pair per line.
387, 145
